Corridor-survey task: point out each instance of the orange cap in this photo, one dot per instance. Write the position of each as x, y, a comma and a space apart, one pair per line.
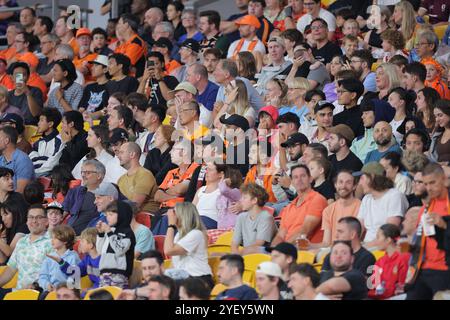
436, 64
83, 32
29, 58
249, 20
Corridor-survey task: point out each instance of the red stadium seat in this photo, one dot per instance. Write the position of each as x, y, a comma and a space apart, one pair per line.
144, 218
159, 243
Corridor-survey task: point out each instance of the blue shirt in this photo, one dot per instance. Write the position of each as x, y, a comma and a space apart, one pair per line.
369, 82
303, 111
208, 97
256, 101
198, 36
144, 239
88, 266
93, 222
21, 164
376, 155
50, 270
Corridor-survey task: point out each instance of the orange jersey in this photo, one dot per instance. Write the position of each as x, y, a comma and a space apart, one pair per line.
172, 65
79, 62
135, 49
36, 81
7, 82
74, 44
9, 53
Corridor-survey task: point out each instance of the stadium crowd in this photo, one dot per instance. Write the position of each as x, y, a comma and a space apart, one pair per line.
295, 150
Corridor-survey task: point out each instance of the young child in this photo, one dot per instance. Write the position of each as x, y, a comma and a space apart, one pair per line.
349, 45
255, 227
63, 239
55, 213
89, 265
393, 44
229, 193
115, 243
320, 170
392, 267
47, 150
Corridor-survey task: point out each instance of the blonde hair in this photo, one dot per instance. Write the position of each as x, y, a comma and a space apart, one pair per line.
391, 72
408, 18
284, 89
188, 218
64, 233
90, 235
299, 83
241, 104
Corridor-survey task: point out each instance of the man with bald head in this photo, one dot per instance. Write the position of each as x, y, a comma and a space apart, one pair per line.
382, 134
197, 75
152, 17
138, 184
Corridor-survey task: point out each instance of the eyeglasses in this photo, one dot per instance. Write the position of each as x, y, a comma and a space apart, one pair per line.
355, 61
181, 111
309, 4
422, 44
317, 27
87, 172
36, 218
417, 181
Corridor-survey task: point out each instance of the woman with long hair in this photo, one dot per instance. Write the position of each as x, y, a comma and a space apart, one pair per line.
236, 102
297, 89
404, 18
425, 101
440, 145
386, 78
372, 39
62, 181
276, 93
174, 12
97, 141
12, 228
246, 64
189, 247
402, 101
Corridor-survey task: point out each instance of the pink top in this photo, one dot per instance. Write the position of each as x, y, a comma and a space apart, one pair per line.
224, 201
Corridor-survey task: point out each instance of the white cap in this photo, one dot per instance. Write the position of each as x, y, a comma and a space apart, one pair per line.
101, 59
270, 269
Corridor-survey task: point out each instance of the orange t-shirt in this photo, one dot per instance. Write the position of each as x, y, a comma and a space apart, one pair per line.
172, 179
440, 87
435, 258
172, 65
9, 53
292, 217
7, 82
36, 81
74, 44
267, 181
135, 49
335, 211
78, 62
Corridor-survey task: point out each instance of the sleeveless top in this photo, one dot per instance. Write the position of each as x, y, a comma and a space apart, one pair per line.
375, 39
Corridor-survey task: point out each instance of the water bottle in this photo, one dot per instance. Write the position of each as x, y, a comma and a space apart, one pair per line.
428, 229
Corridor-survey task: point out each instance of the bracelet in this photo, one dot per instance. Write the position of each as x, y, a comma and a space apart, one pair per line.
174, 227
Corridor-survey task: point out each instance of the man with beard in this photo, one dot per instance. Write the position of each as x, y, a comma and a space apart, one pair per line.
342, 281
288, 124
209, 26
346, 206
152, 17
341, 137
81, 60
382, 134
361, 62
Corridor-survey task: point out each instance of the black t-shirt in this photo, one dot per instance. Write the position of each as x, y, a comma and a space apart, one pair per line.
285, 291
21, 102
43, 67
95, 97
156, 96
352, 118
414, 201
302, 71
326, 189
243, 292
357, 282
157, 163
363, 260
351, 162
327, 52
127, 85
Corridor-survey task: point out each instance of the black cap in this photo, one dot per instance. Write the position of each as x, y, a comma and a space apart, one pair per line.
294, 139
118, 134
163, 43
16, 119
191, 44
286, 248
236, 120
322, 105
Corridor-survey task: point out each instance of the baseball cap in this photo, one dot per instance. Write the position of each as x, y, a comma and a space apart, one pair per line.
186, 86
249, 20
277, 40
294, 139
270, 268
83, 32
286, 248
55, 205
235, 120
16, 119
106, 189
101, 59
118, 134
371, 168
163, 43
272, 111
322, 105
30, 59
344, 131
191, 44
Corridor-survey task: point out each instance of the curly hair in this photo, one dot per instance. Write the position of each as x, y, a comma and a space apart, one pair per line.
414, 161
394, 37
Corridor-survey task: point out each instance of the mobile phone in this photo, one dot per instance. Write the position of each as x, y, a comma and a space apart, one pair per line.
150, 63
19, 78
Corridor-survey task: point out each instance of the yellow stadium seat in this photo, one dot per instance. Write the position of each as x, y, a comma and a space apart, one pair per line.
86, 283
214, 264
327, 3
318, 266
115, 292
440, 30
251, 263
30, 134
51, 296
219, 248
218, 288
167, 264
224, 239
305, 257
25, 294
375, 66
378, 254
86, 125
13, 282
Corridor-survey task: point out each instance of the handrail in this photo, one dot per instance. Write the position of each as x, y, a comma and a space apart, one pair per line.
37, 7
87, 10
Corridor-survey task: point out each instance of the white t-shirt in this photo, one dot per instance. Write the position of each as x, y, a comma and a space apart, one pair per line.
114, 170
375, 212
326, 15
195, 262
259, 47
321, 296
394, 125
207, 203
